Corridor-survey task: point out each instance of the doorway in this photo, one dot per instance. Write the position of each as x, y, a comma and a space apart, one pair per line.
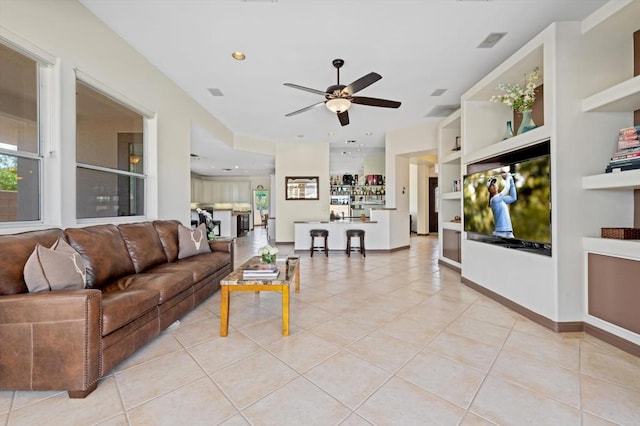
433, 213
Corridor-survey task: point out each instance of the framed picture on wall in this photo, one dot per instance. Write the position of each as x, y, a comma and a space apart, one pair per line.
302, 188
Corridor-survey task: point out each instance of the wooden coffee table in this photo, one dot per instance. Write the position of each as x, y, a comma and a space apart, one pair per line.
289, 274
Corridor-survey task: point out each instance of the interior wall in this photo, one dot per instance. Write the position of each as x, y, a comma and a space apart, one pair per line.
413, 197
374, 165
300, 160
422, 190
53, 27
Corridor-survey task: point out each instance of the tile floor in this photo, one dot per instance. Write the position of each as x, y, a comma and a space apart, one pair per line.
390, 339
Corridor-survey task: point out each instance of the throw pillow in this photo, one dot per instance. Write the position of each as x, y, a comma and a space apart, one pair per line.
57, 268
192, 241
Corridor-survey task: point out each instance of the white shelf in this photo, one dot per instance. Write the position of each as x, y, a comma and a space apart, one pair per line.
451, 195
622, 97
531, 137
453, 157
629, 179
629, 249
452, 121
453, 226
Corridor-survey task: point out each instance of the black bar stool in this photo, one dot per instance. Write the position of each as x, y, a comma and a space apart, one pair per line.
359, 233
320, 233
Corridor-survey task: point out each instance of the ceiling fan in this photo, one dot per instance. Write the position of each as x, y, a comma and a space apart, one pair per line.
338, 97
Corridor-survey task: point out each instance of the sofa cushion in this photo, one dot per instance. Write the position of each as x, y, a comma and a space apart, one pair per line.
104, 253
201, 266
143, 244
167, 285
168, 233
20, 246
121, 307
192, 241
57, 268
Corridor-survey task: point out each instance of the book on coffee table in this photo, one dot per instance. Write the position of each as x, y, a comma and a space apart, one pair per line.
260, 271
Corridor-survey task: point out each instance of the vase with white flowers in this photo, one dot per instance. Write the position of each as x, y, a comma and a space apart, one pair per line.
268, 254
520, 99
208, 222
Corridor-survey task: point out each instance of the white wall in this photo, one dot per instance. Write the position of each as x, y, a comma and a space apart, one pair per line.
374, 165
68, 31
311, 159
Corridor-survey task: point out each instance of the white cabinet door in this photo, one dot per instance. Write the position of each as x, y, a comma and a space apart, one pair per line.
196, 190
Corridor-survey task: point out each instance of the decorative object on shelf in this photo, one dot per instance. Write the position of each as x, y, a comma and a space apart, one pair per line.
208, 217
520, 99
268, 254
363, 217
508, 132
621, 233
456, 146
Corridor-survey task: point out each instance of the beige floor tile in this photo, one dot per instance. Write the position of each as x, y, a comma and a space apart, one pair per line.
252, 378
471, 419
347, 378
507, 404
237, 420
340, 331
545, 379
303, 351
553, 351
355, 420
610, 401
621, 370
308, 316
448, 379
24, 398
529, 327
198, 403
59, 409
369, 316
223, 351
152, 379
410, 331
480, 331
198, 315
399, 402
462, 349
297, 403
6, 397
270, 331
163, 345
383, 350
246, 315
197, 332
591, 420
492, 316
119, 420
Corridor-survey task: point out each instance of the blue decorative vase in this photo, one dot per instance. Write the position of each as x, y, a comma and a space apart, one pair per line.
527, 122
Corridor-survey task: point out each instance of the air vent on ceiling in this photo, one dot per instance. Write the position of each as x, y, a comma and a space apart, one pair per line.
438, 92
442, 110
226, 170
195, 157
215, 92
349, 141
491, 40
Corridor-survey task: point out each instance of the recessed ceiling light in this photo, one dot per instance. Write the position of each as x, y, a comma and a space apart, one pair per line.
369, 133
331, 133
300, 136
236, 167
239, 56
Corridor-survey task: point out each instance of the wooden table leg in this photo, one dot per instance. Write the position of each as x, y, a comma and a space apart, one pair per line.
298, 278
285, 310
224, 310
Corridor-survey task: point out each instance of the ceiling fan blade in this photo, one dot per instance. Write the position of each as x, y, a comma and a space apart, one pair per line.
306, 89
304, 109
375, 102
343, 117
361, 83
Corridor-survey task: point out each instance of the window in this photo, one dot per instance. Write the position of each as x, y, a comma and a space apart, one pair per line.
20, 161
110, 156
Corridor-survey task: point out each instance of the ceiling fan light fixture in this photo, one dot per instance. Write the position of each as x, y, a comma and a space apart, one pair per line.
239, 56
338, 105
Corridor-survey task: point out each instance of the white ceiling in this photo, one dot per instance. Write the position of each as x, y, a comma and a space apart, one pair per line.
417, 46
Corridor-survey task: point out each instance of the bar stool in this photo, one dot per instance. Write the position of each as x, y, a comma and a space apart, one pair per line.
320, 233
359, 233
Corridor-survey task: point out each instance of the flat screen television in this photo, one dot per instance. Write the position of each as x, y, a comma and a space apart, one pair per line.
507, 200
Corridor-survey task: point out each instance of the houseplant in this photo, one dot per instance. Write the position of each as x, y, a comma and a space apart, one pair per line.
520, 99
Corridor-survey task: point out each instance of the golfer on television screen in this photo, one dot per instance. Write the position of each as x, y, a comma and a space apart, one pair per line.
498, 202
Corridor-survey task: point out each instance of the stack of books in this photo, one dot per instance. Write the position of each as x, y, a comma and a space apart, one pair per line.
627, 157
260, 271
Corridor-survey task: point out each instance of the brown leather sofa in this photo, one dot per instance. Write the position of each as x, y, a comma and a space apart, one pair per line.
136, 287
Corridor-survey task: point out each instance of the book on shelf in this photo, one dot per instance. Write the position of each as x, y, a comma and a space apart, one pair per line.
628, 137
617, 157
623, 166
628, 144
630, 130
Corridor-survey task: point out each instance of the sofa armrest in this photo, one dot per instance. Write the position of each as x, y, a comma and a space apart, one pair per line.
51, 341
226, 245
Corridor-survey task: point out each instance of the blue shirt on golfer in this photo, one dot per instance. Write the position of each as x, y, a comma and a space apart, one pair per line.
498, 203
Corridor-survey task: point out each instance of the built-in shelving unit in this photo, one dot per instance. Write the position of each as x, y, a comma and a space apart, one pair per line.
608, 36
450, 189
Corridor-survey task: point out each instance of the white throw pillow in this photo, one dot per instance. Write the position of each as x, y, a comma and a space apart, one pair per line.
57, 268
192, 241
